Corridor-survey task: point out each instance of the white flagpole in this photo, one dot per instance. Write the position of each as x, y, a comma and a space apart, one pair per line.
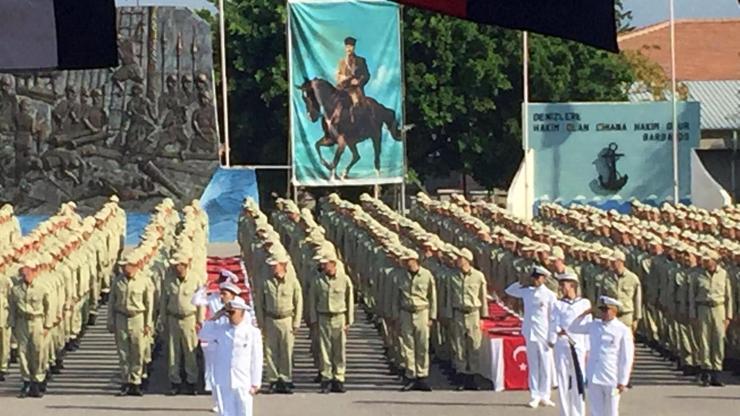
224, 82
525, 121
674, 99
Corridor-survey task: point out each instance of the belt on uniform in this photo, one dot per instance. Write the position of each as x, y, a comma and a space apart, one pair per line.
129, 314
180, 315
625, 313
466, 311
32, 316
278, 315
710, 303
415, 309
332, 313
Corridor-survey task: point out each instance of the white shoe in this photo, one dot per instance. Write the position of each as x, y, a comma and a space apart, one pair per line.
534, 403
214, 409
547, 403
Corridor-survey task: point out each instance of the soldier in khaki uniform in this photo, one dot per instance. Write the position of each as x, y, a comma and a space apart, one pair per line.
182, 320
332, 310
6, 285
130, 315
468, 301
710, 306
279, 309
31, 320
416, 305
628, 292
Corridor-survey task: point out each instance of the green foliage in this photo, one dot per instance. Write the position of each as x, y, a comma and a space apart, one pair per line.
463, 89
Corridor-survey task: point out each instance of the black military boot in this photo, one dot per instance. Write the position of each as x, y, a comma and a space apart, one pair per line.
2, 375
134, 390
337, 387
24, 390
175, 389
408, 384
704, 378
14, 356
317, 379
422, 385
714, 380
123, 390
325, 387
91, 319
190, 389
145, 384
35, 390
289, 386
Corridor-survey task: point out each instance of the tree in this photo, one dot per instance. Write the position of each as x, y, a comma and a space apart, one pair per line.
463, 89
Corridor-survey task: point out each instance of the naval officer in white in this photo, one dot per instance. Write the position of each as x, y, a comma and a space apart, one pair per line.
538, 306
238, 366
566, 310
228, 290
610, 359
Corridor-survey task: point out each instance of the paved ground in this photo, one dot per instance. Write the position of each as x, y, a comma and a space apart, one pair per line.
88, 384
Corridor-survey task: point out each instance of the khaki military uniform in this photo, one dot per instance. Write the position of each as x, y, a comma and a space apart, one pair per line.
332, 309
416, 307
279, 308
31, 320
181, 318
710, 297
468, 303
129, 318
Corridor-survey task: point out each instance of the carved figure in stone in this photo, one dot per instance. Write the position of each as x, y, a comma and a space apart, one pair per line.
129, 69
204, 126
26, 143
186, 83
141, 115
96, 117
67, 114
8, 105
201, 84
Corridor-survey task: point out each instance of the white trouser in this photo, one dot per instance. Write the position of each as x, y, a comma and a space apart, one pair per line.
234, 402
571, 403
209, 358
539, 360
603, 400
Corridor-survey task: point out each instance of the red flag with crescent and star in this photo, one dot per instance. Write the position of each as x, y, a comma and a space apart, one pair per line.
515, 364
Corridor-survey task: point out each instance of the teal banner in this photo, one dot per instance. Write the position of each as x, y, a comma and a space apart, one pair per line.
595, 152
346, 101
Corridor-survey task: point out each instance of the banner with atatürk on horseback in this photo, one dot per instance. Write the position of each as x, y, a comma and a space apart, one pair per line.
346, 92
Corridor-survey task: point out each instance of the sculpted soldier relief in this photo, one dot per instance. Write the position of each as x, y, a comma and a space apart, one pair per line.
144, 130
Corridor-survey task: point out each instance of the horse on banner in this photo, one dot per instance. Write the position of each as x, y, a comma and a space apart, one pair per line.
344, 128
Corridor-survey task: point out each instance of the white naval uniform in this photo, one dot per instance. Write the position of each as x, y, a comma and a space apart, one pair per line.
563, 315
609, 362
538, 306
238, 366
214, 304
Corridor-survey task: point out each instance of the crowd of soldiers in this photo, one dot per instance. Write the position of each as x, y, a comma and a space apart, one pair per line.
297, 277
52, 281
678, 286
151, 304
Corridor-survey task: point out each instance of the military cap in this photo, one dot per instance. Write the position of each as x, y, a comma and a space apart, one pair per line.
231, 287
410, 255
238, 303
540, 271
466, 254
181, 257
609, 302
619, 255
557, 253
349, 40
277, 258
562, 277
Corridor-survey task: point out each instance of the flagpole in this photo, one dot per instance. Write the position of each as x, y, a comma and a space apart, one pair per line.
676, 195
224, 82
525, 121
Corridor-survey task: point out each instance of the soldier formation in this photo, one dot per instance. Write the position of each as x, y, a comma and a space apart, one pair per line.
673, 269
52, 281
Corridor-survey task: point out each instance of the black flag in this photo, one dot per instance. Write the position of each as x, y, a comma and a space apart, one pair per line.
591, 22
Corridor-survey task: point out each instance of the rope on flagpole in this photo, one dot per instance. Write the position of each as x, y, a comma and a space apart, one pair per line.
676, 195
224, 82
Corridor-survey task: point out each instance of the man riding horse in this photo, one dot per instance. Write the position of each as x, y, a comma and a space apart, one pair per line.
352, 76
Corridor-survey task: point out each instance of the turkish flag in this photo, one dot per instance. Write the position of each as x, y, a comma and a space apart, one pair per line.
515, 364
591, 22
